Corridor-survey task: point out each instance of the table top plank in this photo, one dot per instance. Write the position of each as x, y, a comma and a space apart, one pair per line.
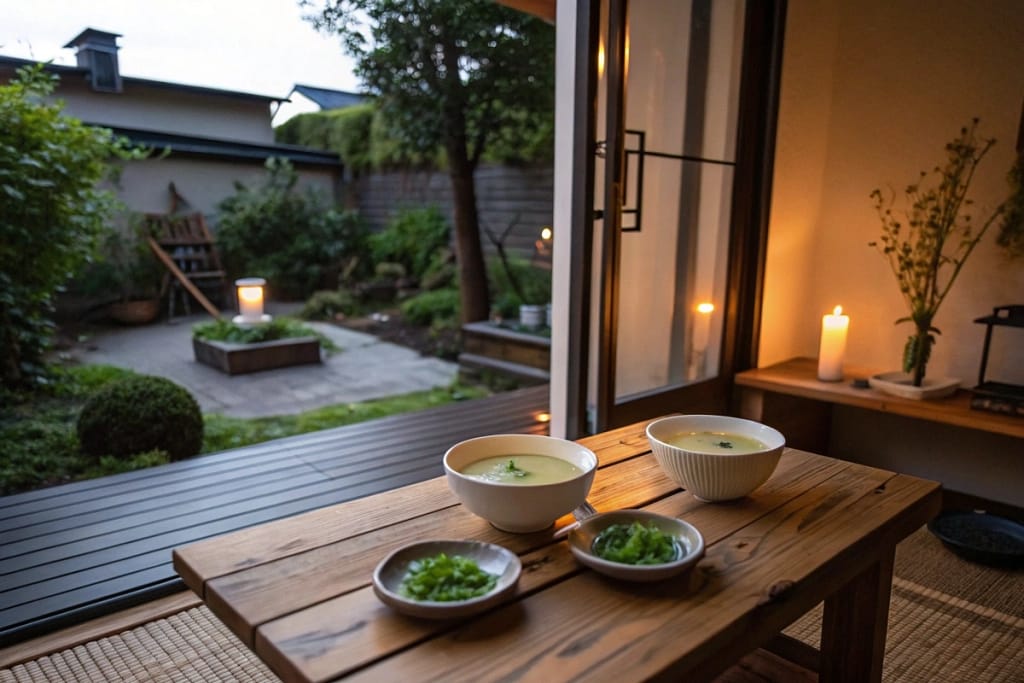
223, 555
299, 637
590, 628
798, 377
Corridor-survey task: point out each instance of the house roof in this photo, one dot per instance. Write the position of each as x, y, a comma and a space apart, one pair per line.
329, 99
189, 145
91, 33
62, 70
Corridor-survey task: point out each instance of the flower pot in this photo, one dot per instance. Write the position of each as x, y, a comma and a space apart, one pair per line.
138, 312
902, 384
531, 316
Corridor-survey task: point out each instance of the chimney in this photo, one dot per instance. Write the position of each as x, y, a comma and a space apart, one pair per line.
97, 53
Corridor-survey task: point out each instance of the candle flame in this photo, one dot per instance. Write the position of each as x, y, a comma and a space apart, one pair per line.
545, 233
705, 307
838, 310
252, 294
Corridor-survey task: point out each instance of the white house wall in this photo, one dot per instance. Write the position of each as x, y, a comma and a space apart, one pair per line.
170, 111
203, 183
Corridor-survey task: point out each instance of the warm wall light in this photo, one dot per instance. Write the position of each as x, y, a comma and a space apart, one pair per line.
542, 417
545, 233
250, 300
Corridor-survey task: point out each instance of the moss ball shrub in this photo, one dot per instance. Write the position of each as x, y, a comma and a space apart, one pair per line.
141, 413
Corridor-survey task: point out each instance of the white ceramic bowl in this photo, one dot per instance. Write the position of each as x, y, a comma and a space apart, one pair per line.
514, 507
715, 476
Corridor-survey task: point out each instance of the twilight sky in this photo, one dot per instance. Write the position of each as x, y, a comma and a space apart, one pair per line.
255, 46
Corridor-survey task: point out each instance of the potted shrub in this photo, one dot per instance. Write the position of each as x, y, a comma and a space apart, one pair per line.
127, 278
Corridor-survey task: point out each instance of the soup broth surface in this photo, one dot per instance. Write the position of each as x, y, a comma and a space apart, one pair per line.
524, 469
716, 442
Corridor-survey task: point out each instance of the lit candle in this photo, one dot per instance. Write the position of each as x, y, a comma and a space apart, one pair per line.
702, 326
250, 299
833, 345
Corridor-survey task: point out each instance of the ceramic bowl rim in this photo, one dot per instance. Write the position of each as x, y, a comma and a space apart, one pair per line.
779, 439
591, 467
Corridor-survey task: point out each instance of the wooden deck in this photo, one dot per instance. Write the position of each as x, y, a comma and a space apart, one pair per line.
78, 551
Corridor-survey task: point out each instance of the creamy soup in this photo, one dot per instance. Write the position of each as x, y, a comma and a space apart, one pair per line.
716, 442
524, 469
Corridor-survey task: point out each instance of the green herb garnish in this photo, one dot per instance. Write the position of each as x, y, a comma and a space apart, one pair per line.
724, 444
511, 468
444, 579
636, 543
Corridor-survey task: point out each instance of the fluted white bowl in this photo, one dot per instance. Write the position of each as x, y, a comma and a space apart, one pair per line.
715, 476
515, 507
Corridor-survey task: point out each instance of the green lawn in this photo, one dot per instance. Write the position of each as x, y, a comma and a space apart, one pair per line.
39, 446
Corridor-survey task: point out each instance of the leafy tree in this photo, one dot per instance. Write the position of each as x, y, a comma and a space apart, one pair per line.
455, 73
51, 214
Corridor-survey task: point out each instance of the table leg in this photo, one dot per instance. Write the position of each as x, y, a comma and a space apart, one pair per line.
854, 625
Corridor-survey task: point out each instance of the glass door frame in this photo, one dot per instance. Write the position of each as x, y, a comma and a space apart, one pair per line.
764, 24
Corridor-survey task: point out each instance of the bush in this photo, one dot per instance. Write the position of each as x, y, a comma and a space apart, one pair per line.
138, 414
293, 239
328, 305
278, 328
415, 238
518, 282
431, 307
50, 165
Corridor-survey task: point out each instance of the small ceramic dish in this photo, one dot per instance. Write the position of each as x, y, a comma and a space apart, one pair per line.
691, 545
494, 559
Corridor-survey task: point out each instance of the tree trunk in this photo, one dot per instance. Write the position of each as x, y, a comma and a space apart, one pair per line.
474, 296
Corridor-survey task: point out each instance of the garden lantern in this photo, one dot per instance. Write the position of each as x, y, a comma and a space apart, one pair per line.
250, 300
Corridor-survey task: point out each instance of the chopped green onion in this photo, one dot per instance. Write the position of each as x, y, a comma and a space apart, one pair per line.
445, 579
636, 543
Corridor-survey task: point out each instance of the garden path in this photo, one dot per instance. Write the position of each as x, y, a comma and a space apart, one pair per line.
366, 368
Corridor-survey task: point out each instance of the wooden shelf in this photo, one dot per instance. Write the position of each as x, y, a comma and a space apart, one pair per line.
798, 377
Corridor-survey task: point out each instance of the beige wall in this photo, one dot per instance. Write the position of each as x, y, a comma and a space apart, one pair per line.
871, 92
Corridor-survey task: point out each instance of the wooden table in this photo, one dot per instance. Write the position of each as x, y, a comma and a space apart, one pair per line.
297, 591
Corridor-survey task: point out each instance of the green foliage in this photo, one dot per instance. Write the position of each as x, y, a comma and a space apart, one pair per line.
1011, 232
516, 281
455, 74
329, 304
125, 270
53, 214
427, 308
39, 445
278, 328
230, 432
359, 135
415, 238
927, 252
292, 238
141, 413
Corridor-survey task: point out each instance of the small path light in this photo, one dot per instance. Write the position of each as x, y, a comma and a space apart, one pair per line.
250, 301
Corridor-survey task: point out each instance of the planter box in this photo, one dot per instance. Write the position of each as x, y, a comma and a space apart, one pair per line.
487, 346
237, 359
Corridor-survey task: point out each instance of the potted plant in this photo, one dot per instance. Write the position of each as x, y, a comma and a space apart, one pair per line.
928, 243
127, 278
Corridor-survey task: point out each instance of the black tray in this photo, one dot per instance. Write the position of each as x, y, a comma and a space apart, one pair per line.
981, 537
